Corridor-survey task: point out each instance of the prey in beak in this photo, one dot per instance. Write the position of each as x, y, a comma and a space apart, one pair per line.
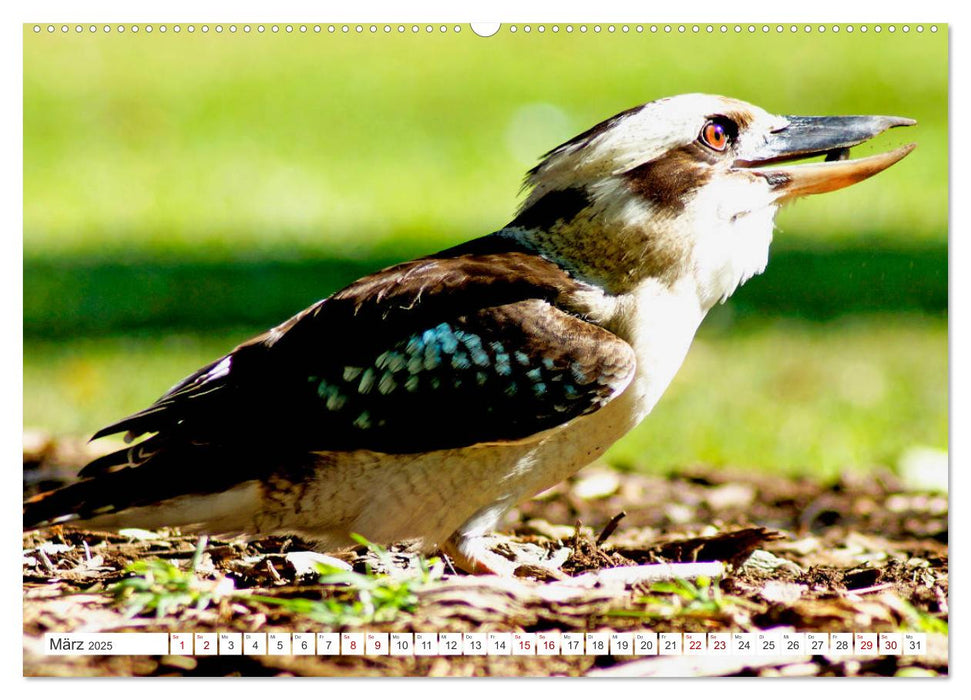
808, 137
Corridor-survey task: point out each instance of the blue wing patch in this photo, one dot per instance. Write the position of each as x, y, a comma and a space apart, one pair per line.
501, 374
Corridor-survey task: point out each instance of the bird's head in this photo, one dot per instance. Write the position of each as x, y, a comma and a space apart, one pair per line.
686, 188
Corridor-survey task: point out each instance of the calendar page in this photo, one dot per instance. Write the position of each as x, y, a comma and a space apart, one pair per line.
520, 349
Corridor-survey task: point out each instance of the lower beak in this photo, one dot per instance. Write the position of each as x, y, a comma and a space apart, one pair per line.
805, 137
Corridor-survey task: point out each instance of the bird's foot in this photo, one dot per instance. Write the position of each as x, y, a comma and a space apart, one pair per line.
494, 554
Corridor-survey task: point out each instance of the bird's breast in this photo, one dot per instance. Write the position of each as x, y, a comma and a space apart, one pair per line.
659, 322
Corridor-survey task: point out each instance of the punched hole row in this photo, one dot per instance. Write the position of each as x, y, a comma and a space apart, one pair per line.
485, 30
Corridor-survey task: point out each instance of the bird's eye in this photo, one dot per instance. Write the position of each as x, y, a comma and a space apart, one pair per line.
715, 135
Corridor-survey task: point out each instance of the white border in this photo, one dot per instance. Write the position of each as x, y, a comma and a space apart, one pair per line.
699, 11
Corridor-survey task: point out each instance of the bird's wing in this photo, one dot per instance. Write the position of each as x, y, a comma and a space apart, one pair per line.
463, 348
495, 374
437, 353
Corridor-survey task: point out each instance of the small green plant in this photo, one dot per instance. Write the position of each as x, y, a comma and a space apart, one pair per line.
362, 598
916, 620
681, 598
355, 599
162, 587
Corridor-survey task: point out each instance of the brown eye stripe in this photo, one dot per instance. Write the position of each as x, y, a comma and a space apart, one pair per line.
666, 182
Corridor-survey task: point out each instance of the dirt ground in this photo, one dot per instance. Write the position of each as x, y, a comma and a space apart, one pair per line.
864, 554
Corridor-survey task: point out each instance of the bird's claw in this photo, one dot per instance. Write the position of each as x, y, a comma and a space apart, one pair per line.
493, 554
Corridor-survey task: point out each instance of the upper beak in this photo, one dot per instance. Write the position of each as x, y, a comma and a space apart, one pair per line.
804, 137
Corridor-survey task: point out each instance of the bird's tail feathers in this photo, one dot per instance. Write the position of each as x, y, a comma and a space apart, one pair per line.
84, 499
143, 474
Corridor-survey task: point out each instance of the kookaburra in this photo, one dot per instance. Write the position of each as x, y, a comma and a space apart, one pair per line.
424, 401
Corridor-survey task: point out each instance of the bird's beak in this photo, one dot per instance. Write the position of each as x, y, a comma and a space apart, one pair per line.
806, 137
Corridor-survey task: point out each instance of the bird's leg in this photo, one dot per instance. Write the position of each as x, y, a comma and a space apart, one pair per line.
475, 555
495, 554
472, 549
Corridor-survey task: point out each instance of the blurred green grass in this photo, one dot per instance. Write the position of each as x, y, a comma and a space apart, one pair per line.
804, 399
243, 145
179, 187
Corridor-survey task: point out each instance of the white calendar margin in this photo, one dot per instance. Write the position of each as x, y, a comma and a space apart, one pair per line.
439, 10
